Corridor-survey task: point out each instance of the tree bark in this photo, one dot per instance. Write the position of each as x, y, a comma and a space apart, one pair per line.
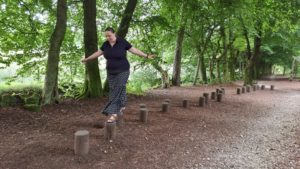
165, 83
126, 19
93, 86
256, 53
293, 69
201, 64
176, 80
50, 92
224, 56
248, 76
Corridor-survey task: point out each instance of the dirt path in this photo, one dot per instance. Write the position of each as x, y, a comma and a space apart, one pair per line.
256, 130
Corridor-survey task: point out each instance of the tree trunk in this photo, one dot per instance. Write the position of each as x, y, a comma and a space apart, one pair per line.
224, 56
126, 19
93, 86
123, 27
177, 59
293, 70
50, 92
248, 75
176, 80
211, 67
256, 54
232, 63
218, 71
251, 58
200, 63
203, 70
165, 83
200, 67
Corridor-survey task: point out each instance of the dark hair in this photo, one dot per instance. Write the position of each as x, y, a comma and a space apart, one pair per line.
110, 29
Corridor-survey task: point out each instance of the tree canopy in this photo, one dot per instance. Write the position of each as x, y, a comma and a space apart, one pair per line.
207, 41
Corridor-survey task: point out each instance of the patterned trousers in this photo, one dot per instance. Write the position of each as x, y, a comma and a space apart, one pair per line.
117, 93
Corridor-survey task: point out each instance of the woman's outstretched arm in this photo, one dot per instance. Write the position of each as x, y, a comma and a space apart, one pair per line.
93, 56
136, 51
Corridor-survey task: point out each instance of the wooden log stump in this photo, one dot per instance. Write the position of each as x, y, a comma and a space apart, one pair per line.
248, 89
254, 88
167, 100
110, 130
272, 87
144, 115
257, 87
238, 91
206, 97
81, 142
262, 87
142, 105
223, 90
243, 89
165, 107
213, 95
219, 97
217, 90
201, 101
185, 103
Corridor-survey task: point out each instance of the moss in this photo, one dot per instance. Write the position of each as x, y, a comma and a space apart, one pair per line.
35, 99
8, 100
32, 107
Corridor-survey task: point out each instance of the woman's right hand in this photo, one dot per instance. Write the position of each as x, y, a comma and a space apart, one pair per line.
83, 60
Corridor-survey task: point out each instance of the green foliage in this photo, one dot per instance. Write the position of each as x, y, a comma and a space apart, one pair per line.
21, 88
8, 100
19, 93
70, 89
26, 27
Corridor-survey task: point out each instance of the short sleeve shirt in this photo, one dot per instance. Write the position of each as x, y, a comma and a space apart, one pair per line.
116, 55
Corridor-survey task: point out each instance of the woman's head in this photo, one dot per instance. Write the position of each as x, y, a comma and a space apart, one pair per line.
110, 34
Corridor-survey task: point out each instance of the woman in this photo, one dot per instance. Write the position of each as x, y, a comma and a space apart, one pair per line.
114, 50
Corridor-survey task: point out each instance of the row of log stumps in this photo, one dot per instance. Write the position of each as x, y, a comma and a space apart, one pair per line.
240, 90
81, 141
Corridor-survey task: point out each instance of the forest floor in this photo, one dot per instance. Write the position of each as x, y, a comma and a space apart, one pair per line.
256, 130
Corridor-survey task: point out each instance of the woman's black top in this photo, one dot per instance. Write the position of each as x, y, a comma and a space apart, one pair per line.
116, 56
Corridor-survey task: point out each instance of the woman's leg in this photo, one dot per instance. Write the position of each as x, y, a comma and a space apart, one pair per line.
123, 94
117, 96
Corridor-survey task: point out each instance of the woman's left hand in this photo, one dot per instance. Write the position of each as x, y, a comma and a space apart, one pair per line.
151, 56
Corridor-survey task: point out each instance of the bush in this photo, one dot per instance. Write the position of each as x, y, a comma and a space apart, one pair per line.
12, 94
